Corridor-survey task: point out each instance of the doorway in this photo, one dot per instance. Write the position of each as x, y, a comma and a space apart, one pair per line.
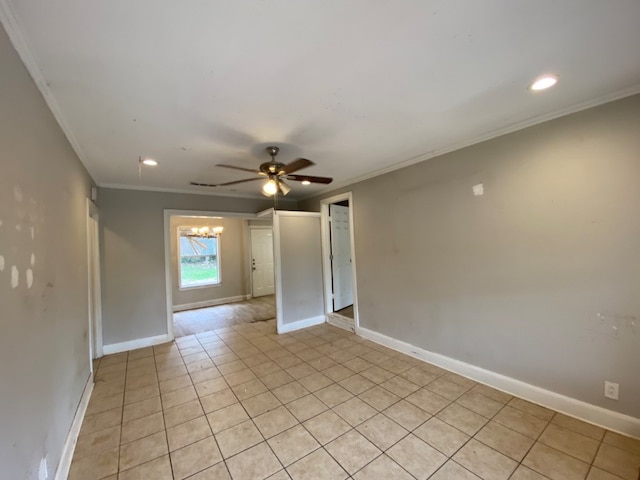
262, 273
340, 257
209, 273
339, 261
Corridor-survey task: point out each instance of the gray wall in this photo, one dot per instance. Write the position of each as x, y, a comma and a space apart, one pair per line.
132, 243
44, 349
537, 279
298, 240
233, 261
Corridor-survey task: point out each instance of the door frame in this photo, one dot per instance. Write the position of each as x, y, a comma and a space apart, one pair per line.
259, 227
325, 230
94, 297
168, 213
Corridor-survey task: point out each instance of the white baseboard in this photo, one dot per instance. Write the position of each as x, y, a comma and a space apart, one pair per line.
135, 344
210, 303
341, 321
587, 412
307, 322
62, 472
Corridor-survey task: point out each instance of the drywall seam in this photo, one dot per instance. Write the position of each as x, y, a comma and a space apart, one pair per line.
584, 411
62, 472
135, 344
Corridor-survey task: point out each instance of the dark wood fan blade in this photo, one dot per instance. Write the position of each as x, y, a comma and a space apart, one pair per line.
197, 184
308, 178
238, 168
240, 181
296, 165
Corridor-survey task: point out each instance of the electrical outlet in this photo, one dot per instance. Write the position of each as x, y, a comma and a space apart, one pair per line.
611, 390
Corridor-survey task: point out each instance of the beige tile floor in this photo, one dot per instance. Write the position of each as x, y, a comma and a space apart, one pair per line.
245, 403
200, 320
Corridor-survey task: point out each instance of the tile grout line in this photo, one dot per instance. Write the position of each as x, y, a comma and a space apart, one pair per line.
124, 393
249, 341
264, 440
205, 414
164, 423
531, 448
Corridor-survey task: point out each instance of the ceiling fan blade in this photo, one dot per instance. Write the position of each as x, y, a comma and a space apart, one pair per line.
309, 178
197, 184
238, 168
296, 165
240, 181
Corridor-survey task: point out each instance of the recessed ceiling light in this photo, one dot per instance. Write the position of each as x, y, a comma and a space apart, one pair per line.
543, 82
305, 182
150, 162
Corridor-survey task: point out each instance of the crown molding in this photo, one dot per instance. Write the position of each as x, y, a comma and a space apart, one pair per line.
594, 102
12, 27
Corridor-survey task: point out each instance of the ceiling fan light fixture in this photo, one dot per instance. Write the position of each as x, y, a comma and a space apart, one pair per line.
270, 188
284, 188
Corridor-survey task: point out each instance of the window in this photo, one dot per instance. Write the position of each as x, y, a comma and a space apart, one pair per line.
199, 259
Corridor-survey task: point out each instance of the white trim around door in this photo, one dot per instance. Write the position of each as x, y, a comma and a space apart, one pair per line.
94, 288
168, 213
326, 252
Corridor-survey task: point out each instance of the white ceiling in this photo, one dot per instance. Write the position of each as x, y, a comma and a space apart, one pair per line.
357, 86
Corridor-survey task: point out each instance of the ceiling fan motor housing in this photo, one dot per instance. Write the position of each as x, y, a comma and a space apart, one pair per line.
272, 168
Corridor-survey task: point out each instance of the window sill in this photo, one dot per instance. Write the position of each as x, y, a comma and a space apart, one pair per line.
198, 287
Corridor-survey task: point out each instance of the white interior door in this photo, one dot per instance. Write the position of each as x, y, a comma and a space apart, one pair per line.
262, 261
341, 257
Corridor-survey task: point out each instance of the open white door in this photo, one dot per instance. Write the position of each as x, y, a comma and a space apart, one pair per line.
262, 262
341, 257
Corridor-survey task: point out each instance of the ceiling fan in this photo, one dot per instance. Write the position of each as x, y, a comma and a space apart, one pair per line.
275, 172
